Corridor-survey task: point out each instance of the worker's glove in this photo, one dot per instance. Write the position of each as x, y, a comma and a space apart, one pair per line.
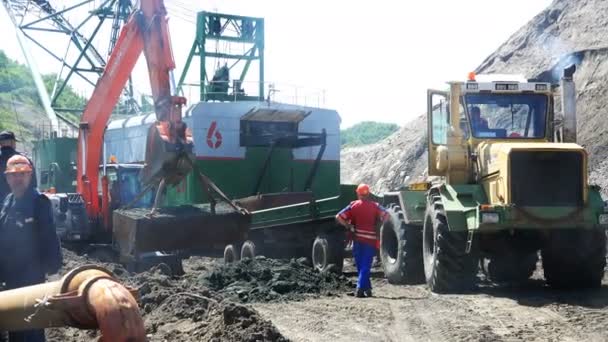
350, 227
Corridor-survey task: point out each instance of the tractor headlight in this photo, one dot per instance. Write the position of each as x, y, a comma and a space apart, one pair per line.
603, 219
489, 218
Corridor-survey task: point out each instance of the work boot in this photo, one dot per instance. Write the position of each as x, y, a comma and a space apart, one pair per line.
360, 293
368, 293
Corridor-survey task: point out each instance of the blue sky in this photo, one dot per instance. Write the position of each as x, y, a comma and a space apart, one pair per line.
374, 59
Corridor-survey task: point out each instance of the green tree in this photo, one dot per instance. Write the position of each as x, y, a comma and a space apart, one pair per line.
366, 132
15, 79
68, 99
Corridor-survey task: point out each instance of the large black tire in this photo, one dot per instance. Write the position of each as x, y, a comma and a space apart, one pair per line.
401, 250
575, 259
249, 250
514, 267
232, 253
448, 267
328, 253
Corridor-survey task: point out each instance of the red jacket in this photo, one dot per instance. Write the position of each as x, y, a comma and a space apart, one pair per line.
364, 215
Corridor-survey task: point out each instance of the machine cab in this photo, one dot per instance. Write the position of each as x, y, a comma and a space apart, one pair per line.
506, 110
124, 186
499, 108
509, 110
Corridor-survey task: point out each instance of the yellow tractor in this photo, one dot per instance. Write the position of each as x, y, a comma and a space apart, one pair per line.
509, 181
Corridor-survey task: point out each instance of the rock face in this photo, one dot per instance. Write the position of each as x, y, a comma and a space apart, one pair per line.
381, 164
564, 33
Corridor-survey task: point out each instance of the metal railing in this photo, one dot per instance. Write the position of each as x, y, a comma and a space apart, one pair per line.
46, 130
232, 91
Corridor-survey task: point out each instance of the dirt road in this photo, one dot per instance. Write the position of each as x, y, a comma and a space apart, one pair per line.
530, 312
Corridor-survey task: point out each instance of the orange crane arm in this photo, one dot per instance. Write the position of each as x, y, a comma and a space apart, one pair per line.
146, 30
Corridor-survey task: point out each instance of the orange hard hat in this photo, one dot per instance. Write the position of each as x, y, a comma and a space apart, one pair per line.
363, 189
18, 163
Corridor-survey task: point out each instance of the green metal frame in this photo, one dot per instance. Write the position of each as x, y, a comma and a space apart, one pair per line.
55, 157
317, 210
462, 205
204, 35
413, 203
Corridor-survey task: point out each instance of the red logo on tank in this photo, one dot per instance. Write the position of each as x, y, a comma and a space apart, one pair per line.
214, 137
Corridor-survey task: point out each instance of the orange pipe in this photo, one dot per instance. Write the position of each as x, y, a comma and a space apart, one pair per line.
86, 298
116, 312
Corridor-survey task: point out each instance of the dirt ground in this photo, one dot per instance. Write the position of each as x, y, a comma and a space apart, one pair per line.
529, 312
209, 302
285, 300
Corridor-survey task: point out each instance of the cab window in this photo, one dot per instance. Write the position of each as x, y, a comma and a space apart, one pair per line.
440, 119
507, 116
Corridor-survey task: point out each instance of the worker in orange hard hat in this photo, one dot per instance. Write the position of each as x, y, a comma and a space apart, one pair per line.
28, 240
362, 190
8, 144
360, 217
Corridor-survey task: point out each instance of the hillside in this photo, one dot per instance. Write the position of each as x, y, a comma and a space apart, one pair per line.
376, 164
366, 132
20, 107
565, 32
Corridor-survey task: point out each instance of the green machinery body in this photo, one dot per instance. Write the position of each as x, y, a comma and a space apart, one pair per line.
279, 161
285, 156
54, 160
463, 207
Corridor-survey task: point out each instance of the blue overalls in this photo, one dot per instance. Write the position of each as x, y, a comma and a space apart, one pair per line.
29, 247
363, 214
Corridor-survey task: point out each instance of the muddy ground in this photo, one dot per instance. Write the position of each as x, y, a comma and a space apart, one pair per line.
208, 302
528, 312
270, 300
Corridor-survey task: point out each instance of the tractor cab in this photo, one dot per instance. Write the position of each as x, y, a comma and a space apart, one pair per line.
505, 109
491, 116
494, 110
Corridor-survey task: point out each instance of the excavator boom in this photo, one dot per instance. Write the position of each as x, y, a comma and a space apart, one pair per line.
169, 141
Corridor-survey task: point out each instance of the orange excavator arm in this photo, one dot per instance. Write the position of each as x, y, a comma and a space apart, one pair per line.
169, 141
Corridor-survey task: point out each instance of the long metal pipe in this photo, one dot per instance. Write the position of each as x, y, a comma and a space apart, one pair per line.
88, 297
38, 82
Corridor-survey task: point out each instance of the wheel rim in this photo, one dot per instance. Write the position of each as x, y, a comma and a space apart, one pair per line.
249, 252
229, 255
318, 255
429, 243
390, 248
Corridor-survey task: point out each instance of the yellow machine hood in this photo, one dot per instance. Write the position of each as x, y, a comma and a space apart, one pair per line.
497, 166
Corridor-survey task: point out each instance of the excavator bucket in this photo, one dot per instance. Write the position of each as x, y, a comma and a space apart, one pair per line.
166, 158
186, 227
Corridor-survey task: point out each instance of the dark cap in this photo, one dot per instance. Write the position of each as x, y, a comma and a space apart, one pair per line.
7, 135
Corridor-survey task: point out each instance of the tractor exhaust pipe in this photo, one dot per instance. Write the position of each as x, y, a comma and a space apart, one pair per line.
88, 297
568, 89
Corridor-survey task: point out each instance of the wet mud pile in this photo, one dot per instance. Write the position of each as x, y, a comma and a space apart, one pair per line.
266, 280
210, 301
179, 308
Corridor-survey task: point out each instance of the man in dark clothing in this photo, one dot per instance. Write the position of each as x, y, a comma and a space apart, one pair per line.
8, 143
28, 240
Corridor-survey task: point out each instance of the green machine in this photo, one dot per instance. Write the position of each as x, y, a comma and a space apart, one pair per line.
279, 161
54, 160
